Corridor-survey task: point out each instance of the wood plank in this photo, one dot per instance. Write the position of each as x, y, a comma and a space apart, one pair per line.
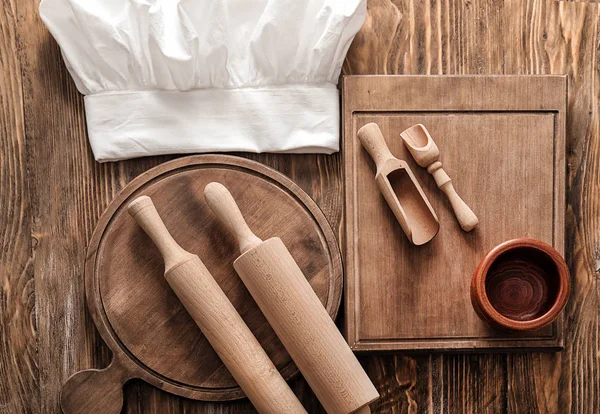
68, 192
19, 390
564, 39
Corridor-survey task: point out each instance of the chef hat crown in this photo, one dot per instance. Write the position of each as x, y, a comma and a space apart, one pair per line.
181, 76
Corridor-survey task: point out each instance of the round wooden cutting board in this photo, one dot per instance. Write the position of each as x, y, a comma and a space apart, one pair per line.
140, 318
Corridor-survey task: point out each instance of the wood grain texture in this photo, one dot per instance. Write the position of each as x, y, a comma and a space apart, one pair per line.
19, 389
67, 192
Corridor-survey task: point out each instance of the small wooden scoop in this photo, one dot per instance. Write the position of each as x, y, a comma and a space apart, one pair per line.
426, 154
400, 188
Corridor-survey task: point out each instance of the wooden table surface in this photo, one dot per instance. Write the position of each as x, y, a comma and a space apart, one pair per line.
52, 193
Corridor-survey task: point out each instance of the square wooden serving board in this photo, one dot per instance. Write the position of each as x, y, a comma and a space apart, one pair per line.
502, 141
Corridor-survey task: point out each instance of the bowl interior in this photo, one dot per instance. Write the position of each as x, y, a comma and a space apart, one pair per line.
522, 284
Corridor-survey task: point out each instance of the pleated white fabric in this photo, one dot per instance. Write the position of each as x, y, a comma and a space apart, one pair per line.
185, 76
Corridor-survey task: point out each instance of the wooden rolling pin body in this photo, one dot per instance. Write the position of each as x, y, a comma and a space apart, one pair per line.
296, 314
217, 318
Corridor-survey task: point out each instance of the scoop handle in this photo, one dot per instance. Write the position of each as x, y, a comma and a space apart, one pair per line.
223, 205
465, 216
372, 139
95, 390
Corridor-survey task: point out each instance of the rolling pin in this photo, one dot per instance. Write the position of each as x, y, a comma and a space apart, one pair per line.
216, 317
295, 313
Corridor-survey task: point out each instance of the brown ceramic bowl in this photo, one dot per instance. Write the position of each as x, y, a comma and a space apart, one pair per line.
522, 284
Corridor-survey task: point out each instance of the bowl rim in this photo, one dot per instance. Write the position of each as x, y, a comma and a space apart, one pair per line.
564, 284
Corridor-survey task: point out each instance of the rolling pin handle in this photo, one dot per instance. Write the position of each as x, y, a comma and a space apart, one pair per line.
144, 212
95, 390
223, 205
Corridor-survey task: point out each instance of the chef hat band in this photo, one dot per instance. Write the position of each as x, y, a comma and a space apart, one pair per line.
182, 76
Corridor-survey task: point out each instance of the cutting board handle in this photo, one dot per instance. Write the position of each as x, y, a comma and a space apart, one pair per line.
95, 390
223, 205
372, 139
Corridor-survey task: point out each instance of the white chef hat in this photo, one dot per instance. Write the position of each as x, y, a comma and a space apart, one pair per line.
181, 76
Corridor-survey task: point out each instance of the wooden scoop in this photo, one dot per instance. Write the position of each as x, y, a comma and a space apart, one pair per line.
400, 188
426, 154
